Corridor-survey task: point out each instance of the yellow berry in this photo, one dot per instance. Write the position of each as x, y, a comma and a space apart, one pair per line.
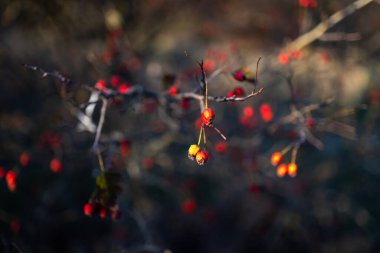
193, 150
292, 169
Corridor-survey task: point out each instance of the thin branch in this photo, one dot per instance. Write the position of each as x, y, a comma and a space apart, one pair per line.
60, 77
216, 98
100, 124
320, 29
219, 132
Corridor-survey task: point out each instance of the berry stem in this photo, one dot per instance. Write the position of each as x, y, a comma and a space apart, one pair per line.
219, 132
294, 154
286, 149
100, 159
204, 136
200, 135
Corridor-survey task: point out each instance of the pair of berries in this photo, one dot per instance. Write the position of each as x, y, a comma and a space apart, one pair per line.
207, 116
237, 92
200, 156
287, 169
94, 207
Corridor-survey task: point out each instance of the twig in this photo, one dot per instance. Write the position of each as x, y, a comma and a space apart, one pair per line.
100, 123
216, 98
320, 29
219, 132
63, 79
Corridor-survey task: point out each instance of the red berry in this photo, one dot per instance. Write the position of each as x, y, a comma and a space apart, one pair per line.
11, 180
239, 91
123, 88
248, 111
101, 85
230, 94
173, 90
88, 209
221, 147
185, 104
283, 58
308, 3
208, 116
103, 212
202, 157
209, 65
189, 206
282, 170
276, 158
266, 112
56, 165
24, 159
115, 81
125, 146
239, 76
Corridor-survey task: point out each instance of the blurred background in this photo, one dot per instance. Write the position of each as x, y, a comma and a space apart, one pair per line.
234, 203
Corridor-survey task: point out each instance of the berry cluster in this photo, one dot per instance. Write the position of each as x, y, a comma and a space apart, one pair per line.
200, 156
95, 207
284, 169
113, 85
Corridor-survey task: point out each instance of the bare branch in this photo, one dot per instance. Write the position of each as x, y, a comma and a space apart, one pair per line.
100, 124
61, 78
320, 29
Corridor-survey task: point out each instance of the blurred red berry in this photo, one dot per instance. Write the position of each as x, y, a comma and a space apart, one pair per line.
209, 65
239, 91
101, 84
221, 147
115, 81
283, 58
297, 54
248, 111
88, 209
308, 3
2, 172
230, 94
24, 159
173, 90
56, 165
125, 146
11, 180
188, 206
310, 122
123, 88
103, 212
239, 76
185, 104
266, 112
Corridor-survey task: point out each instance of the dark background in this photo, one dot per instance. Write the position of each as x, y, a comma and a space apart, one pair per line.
240, 203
